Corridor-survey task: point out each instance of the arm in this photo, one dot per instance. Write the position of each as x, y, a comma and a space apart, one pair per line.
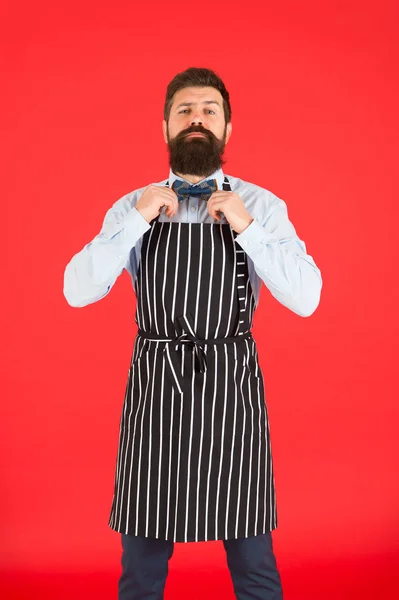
281, 261
92, 272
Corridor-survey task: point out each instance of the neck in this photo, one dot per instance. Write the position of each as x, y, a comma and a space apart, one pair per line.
192, 178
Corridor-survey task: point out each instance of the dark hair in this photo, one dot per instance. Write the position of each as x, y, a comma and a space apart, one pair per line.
196, 77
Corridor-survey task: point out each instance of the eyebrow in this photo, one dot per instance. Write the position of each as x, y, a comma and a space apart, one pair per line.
191, 103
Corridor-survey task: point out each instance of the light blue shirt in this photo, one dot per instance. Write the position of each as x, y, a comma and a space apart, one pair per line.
276, 255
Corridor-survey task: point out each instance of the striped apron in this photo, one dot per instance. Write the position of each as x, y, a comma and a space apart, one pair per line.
194, 455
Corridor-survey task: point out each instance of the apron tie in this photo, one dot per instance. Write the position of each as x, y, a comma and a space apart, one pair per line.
199, 351
173, 350
173, 357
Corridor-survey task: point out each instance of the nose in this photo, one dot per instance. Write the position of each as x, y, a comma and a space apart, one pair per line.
196, 120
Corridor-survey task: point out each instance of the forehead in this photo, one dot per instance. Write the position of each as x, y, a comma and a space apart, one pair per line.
197, 95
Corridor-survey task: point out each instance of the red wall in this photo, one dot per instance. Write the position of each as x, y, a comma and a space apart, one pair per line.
314, 92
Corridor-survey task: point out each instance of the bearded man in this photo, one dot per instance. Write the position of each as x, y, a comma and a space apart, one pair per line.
194, 459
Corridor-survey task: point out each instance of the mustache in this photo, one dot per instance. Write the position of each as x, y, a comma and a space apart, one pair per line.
189, 130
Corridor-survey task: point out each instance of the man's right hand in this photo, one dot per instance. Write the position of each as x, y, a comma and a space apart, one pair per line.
153, 199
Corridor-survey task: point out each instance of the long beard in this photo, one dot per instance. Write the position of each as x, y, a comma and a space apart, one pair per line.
199, 156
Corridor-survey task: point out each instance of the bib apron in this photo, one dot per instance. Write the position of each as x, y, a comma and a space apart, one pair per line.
194, 456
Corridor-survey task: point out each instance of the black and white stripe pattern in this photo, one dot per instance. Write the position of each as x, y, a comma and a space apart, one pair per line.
195, 466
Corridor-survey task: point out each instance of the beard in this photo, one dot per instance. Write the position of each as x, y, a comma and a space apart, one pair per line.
199, 156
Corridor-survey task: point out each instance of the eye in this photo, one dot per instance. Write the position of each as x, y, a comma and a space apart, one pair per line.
209, 110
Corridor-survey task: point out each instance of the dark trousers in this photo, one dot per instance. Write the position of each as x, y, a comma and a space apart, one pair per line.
251, 563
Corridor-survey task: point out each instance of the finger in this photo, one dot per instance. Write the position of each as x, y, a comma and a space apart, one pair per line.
169, 210
172, 194
213, 210
175, 200
215, 206
169, 197
211, 207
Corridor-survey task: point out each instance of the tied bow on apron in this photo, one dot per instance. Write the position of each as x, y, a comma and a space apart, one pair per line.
173, 350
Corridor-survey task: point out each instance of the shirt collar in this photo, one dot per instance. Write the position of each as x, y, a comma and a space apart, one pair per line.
218, 175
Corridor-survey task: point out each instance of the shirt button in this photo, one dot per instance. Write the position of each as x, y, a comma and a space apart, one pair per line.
193, 208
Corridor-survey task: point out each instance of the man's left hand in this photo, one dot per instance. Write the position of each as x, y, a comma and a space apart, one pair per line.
233, 208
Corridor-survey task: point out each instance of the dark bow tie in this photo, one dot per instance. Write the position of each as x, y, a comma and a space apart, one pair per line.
204, 190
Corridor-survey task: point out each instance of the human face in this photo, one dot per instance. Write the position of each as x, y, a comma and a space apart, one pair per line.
196, 109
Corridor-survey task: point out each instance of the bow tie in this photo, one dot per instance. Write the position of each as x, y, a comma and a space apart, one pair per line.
183, 189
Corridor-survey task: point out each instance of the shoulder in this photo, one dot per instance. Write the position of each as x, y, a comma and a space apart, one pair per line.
259, 200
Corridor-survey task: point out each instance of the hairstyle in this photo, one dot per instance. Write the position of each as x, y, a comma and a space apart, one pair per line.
196, 77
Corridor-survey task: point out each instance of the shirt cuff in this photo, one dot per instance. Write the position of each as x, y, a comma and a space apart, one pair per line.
254, 238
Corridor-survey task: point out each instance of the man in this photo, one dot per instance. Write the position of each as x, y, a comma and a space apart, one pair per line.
194, 458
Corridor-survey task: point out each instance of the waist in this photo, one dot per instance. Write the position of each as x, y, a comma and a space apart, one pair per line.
201, 342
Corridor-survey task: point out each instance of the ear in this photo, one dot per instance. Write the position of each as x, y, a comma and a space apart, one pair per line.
164, 131
229, 128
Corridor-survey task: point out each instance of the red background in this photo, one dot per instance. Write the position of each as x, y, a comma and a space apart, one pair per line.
314, 94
